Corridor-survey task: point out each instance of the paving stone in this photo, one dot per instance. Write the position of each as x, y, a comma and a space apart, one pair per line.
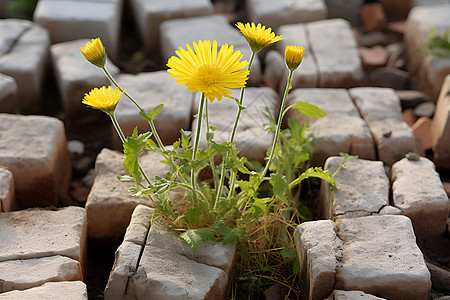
440, 278
76, 76
251, 139
380, 108
425, 109
319, 252
373, 58
351, 295
345, 9
150, 14
179, 32
74, 290
411, 98
373, 17
9, 95
25, 59
277, 13
342, 130
440, 128
389, 77
11, 29
150, 90
33, 148
109, 205
371, 39
68, 20
7, 199
363, 189
327, 38
428, 71
380, 257
418, 192
28, 273
422, 131
390, 210
137, 230
275, 71
428, 2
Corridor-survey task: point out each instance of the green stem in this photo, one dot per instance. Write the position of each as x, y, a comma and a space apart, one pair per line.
194, 152
211, 159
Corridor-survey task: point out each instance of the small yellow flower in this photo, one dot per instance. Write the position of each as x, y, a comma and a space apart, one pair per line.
293, 56
94, 52
203, 69
258, 37
105, 99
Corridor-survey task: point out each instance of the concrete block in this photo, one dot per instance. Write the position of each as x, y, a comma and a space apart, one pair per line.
150, 14
74, 290
377, 103
76, 76
34, 149
440, 128
11, 30
418, 192
351, 295
363, 189
139, 225
9, 95
7, 199
275, 72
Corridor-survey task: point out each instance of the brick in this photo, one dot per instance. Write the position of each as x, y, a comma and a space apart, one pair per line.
373, 17
440, 128
7, 199
137, 230
422, 130
418, 192
40, 162
351, 295
411, 98
373, 58
9, 95
74, 290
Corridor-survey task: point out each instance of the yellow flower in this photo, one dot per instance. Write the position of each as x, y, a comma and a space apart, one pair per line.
203, 69
293, 56
94, 52
258, 37
105, 99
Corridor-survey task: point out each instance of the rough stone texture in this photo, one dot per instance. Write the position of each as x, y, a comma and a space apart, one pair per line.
68, 20
281, 12
390, 210
418, 192
428, 71
345, 9
74, 290
25, 58
351, 295
380, 107
150, 14
440, 128
76, 76
422, 131
380, 257
363, 189
109, 205
275, 72
40, 163
251, 139
179, 32
327, 38
137, 230
7, 199
28, 273
342, 130
150, 90
9, 95
319, 251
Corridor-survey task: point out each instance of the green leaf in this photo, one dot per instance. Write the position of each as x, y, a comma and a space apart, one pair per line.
305, 213
280, 186
185, 138
289, 253
193, 237
153, 113
132, 147
309, 110
318, 173
125, 178
235, 234
193, 215
260, 206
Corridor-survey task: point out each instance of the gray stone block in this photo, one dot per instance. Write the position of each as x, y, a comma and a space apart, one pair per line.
440, 128
74, 290
7, 199
9, 95
351, 295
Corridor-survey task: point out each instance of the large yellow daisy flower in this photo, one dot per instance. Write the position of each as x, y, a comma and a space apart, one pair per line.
293, 56
94, 52
203, 69
105, 99
258, 37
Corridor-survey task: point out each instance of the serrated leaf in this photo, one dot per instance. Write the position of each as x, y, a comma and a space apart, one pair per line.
309, 110
289, 253
318, 173
153, 113
193, 237
259, 206
235, 234
132, 147
192, 216
280, 186
125, 178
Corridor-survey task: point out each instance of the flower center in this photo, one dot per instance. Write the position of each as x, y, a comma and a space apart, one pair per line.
208, 74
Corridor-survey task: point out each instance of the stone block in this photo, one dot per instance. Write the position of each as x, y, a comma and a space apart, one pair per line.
380, 257
76, 76
74, 290
327, 38
351, 295
150, 90
25, 58
7, 199
428, 70
109, 205
418, 192
422, 131
275, 72
28, 273
68, 20
345, 9
373, 17
150, 14
377, 103
363, 189
179, 32
9, 95
440, 128
34, 149
319, 252
276, 13
139, 225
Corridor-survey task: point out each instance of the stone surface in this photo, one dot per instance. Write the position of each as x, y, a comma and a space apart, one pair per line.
40, 163
275, 71
9, 95
440, 128
319, 251
363, 189
345, 9
373, 58
418, 192
440, 278
380, 257
351, 295
10, 30
409, 117
281, 12
109, 205
422, 131
68, 20
7, 199
373, 17
139, 225
74, 290
390, 78
150, 14
425, 109
28, 273
397, 8
411, 98
150, 90
76, 76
